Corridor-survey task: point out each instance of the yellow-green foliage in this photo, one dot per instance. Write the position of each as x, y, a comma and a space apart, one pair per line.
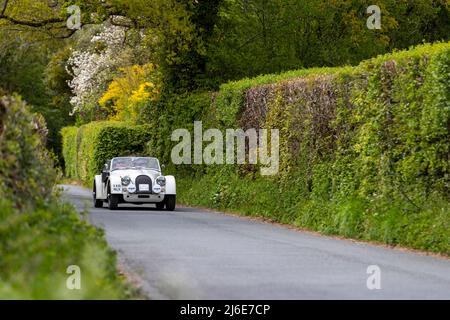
87, 148
126, 94
69, 142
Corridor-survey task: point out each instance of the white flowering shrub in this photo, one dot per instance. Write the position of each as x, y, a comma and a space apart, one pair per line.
94, 68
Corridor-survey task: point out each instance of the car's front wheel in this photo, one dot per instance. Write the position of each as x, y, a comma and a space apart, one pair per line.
171, 202
113, 202
97, 203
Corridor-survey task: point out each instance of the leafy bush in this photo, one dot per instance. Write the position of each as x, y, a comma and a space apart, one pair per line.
127, 94
40, 237
87, 148
39, 244
26, 167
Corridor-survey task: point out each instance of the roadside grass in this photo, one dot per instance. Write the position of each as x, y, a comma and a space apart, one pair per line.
38, 245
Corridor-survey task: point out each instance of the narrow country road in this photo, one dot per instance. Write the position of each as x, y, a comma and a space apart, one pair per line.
197, 254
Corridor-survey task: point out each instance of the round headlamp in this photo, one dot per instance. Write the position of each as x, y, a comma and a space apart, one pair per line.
161, 181
126, 181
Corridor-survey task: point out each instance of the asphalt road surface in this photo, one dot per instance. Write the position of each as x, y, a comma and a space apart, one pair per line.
197, 254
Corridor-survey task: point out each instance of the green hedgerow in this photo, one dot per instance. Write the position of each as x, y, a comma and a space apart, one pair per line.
87, 148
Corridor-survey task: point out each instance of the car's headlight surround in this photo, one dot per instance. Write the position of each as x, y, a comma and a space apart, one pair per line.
126, 181
161, 180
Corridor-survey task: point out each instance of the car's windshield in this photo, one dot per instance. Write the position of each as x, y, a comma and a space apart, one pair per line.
134, 163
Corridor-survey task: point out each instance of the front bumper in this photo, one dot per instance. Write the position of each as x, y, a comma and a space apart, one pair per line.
143, 198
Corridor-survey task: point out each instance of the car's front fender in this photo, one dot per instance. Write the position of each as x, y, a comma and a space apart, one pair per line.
99, 190
171, 186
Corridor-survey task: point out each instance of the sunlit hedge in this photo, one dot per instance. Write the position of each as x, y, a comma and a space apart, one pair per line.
87, 148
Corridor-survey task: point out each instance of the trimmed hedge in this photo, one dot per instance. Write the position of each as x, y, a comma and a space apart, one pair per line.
69, 141
87, 148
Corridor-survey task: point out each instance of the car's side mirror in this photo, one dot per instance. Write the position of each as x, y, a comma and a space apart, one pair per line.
163, 166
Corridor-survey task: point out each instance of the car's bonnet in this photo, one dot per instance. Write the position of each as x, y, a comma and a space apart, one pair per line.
134, 173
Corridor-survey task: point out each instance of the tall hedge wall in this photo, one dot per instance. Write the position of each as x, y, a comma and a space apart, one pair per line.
87, 148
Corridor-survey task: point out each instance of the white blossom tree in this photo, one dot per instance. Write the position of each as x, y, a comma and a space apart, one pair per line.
93, 69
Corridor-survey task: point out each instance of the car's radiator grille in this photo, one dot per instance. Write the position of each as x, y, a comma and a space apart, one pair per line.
143, 180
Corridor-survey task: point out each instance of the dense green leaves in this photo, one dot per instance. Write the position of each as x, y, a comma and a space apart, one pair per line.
26, 168
253, 37
23, 71
201, 44
38, 245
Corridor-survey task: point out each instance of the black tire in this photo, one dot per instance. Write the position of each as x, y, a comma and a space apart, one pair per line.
160, 205
97, 203
171, 202
113, 202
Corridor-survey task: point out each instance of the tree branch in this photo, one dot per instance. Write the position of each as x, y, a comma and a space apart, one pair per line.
5, 5
124, 23
34, 24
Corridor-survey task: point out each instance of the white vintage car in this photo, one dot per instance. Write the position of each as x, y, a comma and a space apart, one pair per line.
135, 180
